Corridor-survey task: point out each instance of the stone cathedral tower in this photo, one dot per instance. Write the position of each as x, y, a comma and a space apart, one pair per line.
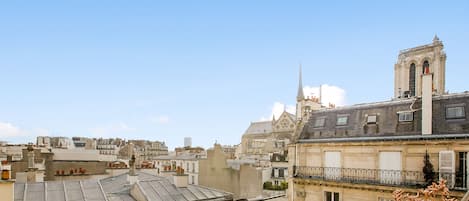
412, 63
305, 104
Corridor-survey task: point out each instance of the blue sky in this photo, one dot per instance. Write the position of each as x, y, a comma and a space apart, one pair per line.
206, 69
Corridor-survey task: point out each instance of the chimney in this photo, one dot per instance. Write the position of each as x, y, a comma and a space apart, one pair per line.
132, 178
31, 174
180, 179
427, 82
5, 169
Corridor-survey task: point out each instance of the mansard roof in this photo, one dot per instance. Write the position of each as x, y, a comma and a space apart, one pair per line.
323, 124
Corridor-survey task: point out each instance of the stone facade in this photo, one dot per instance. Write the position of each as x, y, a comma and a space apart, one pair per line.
366, 151
214, 172
409, 68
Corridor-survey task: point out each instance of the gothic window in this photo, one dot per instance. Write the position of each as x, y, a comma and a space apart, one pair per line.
425, 65
284, 123
412, 79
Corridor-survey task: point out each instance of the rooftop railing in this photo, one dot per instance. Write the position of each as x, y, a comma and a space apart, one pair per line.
456, 180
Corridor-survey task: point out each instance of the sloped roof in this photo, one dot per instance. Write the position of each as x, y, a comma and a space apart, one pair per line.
115, 188
59, 190
259, 127
163, 190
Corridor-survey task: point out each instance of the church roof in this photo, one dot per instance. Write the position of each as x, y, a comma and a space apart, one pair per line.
259, 127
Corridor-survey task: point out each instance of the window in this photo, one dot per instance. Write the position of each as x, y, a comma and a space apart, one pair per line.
342, 120
406, 116
280, 173
426, 67
331, 196
412, 79
371, 119
455, 112
320, 122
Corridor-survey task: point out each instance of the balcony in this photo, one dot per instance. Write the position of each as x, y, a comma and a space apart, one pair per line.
456, 181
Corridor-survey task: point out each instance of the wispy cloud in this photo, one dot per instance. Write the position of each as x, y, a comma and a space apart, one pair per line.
162, 119
277, 110
330, 94
9, 130
15, 134
111, 129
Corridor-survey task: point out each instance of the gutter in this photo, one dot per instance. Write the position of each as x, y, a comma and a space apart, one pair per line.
388, 138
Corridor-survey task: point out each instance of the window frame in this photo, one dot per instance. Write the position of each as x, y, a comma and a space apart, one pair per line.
405, 114
372, 122
316, 122
332, 193
463, 108
342, 123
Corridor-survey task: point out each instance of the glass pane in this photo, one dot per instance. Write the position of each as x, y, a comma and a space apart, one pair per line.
371, 119
336, 196
341, 120
328, 196
455, 112
319, 122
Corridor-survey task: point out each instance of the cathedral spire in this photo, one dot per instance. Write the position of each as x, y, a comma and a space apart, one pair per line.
300, 96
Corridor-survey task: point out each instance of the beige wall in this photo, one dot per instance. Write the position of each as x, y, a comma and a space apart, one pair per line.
7, 190
434, 54
215, 173
362, 155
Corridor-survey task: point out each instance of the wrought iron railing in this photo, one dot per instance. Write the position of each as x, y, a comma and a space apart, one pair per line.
379, 177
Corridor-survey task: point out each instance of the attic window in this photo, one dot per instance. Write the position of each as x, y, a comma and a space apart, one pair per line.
319, 122
456, 112
406, 116
371, 119
342, 120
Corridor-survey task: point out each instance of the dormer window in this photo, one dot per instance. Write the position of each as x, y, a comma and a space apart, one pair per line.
406, 116
371, 119
456, 112
342, 120
319, 122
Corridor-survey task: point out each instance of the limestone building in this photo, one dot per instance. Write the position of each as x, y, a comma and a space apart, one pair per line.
366, 151
411, 64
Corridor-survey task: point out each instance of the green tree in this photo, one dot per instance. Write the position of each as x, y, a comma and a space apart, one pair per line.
428, 171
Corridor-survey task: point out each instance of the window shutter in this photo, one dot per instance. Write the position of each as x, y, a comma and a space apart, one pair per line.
447, 167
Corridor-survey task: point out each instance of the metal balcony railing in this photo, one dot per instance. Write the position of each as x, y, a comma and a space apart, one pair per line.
379, 177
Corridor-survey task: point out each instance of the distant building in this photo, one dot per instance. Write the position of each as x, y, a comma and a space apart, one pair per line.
279, 171
244, 181
167, 165
187, 142
55, 142
84, 142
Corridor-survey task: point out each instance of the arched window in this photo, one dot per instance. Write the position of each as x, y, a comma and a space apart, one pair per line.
425, 65
412, 80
